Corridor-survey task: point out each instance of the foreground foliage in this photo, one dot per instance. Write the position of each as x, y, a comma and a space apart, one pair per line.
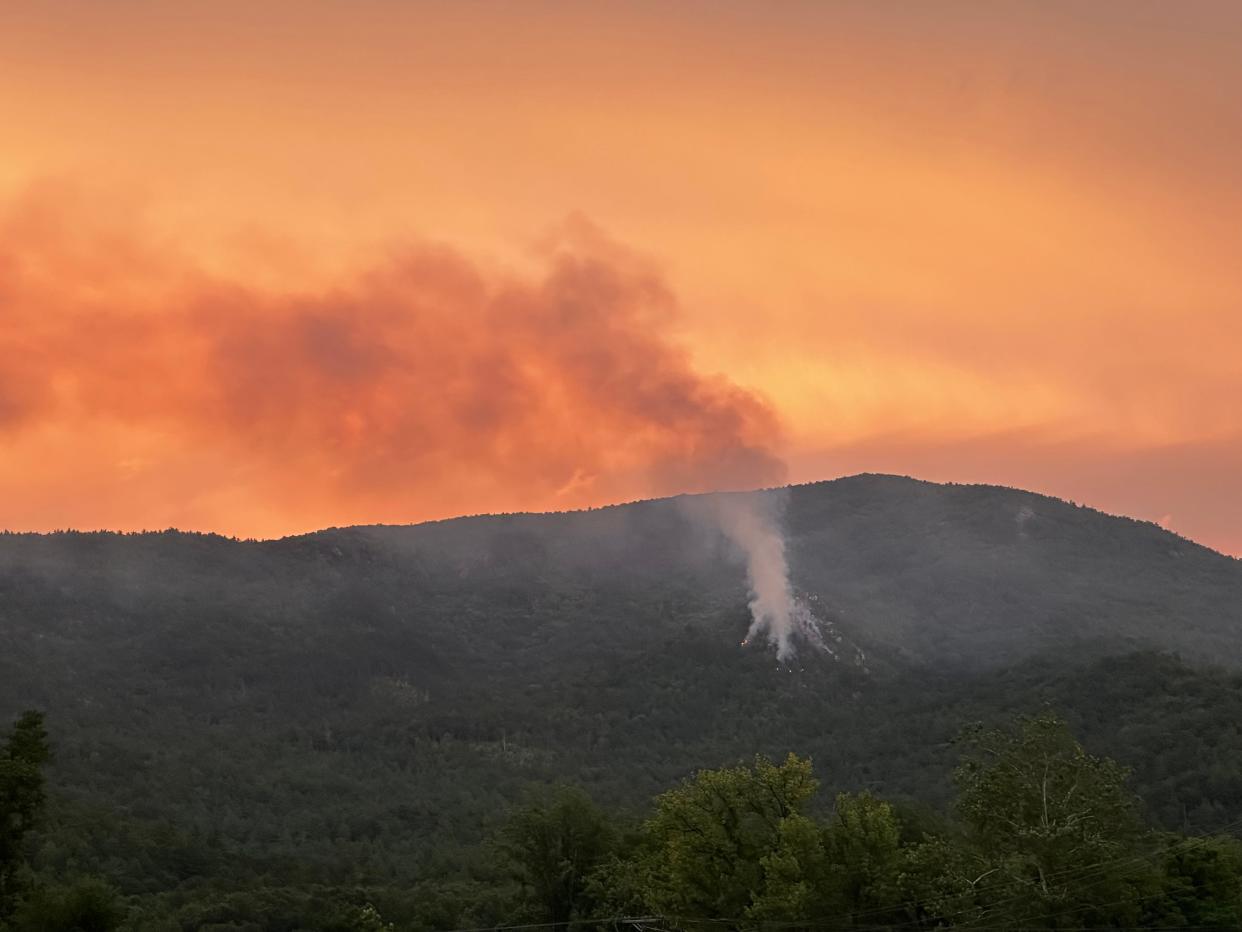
1041, 835
1044, 836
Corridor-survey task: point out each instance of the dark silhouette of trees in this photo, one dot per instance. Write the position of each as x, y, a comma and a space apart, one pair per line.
554, 842
22, 798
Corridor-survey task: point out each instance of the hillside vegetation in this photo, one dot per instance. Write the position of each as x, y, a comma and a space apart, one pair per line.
358, 709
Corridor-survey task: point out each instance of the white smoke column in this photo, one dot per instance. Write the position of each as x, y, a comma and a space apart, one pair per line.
752, 522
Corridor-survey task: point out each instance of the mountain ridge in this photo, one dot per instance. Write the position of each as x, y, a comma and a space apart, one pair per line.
479, 516
943, 572
358, 702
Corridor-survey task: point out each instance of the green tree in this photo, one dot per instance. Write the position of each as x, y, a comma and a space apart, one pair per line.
848, 867
864, 855
796, 874
89, 905
621, 884
714, 837
368, 919
943, 881
1202, 884
1055, 832
22, 798
555, 841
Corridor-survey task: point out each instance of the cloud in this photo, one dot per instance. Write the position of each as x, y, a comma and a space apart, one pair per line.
423, 385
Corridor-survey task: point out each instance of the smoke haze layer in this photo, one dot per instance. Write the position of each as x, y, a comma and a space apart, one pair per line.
423, 385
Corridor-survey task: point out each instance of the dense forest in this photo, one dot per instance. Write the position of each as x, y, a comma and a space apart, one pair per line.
349, 727
1041, 835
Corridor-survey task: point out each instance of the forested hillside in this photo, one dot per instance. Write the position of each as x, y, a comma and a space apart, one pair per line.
358, 709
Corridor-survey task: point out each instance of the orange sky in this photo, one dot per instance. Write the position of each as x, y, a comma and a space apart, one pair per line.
269, 267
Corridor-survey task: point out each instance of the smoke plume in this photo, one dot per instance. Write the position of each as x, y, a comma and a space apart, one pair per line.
752, 523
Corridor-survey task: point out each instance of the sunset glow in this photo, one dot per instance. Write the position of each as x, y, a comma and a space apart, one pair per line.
271, 267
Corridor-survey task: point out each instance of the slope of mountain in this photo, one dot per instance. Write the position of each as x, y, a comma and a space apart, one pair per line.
931, 574
924, 573
361, 700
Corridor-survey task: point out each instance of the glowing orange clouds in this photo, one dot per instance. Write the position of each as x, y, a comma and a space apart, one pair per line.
422, 387
968, 241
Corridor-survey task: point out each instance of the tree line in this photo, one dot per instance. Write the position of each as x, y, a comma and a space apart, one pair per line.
1041, 835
